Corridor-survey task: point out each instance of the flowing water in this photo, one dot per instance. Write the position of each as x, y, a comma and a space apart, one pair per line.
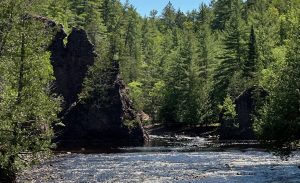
170, 159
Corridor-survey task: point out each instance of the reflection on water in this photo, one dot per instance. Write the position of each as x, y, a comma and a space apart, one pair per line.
170, 159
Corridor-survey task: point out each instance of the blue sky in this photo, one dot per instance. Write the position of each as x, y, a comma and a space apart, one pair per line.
145, 6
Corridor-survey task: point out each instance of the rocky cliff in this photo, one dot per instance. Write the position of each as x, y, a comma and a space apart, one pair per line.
86, 123
71, 62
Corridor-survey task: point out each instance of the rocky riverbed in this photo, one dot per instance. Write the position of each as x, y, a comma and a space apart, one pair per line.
174, 159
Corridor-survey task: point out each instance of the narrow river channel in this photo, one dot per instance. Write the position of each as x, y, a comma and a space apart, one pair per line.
169, 159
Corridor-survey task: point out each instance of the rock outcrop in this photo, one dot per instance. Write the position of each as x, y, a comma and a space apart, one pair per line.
245, 106
71, 62
86, 123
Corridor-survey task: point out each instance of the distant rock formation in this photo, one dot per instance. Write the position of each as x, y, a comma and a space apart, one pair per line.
246, 104
87, 124
71, 62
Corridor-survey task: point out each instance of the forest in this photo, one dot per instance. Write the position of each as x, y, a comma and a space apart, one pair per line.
181, 68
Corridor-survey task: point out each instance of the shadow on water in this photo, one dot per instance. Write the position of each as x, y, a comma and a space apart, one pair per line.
181, 143
172, 143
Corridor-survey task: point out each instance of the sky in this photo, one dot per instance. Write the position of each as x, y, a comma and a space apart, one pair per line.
145, 6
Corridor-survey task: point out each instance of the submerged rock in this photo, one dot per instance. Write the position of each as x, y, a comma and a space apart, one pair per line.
86, 123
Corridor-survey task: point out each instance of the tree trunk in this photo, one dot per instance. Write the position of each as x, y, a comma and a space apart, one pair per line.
21, 70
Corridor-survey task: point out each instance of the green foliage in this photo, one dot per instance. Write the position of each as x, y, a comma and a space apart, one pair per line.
27, 109
251, 61
136, 93
280, 117
229, 115
179, 66
131, 124
58, 11
169, 17
98, 83
184, 97
233, 54
228, 109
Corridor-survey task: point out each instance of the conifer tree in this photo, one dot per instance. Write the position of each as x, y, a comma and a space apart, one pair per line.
223, 11
131, 54
232, 59
168, 16
251, 61
152, 73
27, 109
279, 122
59, 11
181, 105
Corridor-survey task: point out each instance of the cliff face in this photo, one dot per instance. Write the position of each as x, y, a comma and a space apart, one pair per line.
86, 123
71, 62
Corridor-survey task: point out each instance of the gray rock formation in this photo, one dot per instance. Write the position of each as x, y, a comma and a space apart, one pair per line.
86, 123
71, 62
107, 123
246, 104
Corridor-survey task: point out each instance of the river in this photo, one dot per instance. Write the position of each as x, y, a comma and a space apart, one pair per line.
169, 159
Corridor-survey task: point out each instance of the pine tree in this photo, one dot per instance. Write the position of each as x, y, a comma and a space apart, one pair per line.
180, 19
251, 61
223, 11
113, 16
78, 8
232, 59
181, 100
206, 52
6, 17
58, 11
27, 109
168, 16
131, 54
94, 25
205, 42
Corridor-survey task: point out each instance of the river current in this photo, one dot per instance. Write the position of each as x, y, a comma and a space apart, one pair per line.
169, 159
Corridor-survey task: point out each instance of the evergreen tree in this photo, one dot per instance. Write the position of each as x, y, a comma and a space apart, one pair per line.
181, 104
180, 19
78, 8
223, 11
7, 13
94, 25
205, 42
168, 16
279, 120
232, 59
27, 110
59, 11
251, 61
152, 73
131, 55
207, 52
